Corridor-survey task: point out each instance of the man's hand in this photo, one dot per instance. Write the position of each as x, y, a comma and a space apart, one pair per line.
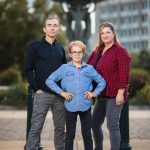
89, 95
39, 91
66, 95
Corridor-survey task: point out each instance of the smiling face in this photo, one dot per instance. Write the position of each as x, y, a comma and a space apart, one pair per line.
51, 28
107, 35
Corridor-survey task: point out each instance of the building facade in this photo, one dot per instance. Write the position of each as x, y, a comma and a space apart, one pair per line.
131, 19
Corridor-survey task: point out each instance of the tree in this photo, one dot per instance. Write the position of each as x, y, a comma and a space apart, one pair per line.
14, 18
44, 9
19, 26
144, 59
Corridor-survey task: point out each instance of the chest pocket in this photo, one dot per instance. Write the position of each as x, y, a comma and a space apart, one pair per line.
69, 76
87, 76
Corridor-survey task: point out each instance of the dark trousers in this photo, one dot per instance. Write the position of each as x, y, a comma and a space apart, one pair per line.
71, 120
106, 107
42, 103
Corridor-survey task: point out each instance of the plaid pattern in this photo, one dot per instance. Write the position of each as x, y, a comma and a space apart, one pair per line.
114, 66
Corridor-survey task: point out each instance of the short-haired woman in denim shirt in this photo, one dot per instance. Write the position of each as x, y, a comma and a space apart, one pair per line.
76, 87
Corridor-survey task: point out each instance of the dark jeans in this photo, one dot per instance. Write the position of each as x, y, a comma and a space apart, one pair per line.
106, 107
71, 120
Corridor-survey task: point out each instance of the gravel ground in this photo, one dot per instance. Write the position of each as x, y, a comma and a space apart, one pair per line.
13, 125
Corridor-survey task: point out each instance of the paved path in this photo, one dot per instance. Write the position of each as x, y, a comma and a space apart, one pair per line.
13, 131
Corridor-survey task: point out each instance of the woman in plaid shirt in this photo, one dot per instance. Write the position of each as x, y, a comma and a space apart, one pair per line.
114, 65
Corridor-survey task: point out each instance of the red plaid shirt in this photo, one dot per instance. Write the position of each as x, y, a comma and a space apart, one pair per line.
114, 66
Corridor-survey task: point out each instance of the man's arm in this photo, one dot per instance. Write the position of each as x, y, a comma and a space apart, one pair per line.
29, 68
64, 55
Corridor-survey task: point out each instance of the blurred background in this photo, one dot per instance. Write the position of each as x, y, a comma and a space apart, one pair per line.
22, 22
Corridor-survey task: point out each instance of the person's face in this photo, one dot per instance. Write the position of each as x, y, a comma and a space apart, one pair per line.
76, 53
51, 28
107, 36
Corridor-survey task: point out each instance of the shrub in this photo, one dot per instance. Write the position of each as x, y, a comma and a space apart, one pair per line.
138, 79
134, 60
144, 59
2, 94
143, 97
16, 95
10, 76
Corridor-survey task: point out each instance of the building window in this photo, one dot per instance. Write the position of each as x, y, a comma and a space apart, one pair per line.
144, 18
143, 4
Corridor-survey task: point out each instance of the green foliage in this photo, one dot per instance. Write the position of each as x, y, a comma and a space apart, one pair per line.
143, 96
16, 95
14, 32
20, 25
138, 79
140, 60
144, 59
2, 94
56, 9
10, 76
134, 60
62, 39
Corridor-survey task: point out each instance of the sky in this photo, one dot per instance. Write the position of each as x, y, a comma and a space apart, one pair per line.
30, 2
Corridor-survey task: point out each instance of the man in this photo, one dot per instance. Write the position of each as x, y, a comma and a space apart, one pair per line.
43, 58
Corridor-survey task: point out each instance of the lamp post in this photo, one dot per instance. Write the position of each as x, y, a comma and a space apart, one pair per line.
124, 127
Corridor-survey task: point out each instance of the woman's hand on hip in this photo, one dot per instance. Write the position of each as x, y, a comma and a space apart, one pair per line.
89, 95
66, 95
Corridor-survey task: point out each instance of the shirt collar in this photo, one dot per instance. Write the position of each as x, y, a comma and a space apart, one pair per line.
115, 44
71, 64
44, 40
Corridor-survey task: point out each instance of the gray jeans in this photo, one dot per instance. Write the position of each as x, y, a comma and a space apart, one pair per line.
42, 103
106, 107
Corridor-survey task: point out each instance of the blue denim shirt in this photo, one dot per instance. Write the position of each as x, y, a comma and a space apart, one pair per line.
77, 82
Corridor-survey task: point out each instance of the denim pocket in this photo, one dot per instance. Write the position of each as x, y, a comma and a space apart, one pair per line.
69, 76
87, 76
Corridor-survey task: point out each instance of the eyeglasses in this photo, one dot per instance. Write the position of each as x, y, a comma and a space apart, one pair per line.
77, 53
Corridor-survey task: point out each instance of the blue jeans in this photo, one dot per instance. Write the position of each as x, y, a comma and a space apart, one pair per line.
106, 107
71, 120
42, 103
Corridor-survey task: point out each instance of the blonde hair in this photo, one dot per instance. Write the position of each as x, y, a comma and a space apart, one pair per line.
101, 27
79, 43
